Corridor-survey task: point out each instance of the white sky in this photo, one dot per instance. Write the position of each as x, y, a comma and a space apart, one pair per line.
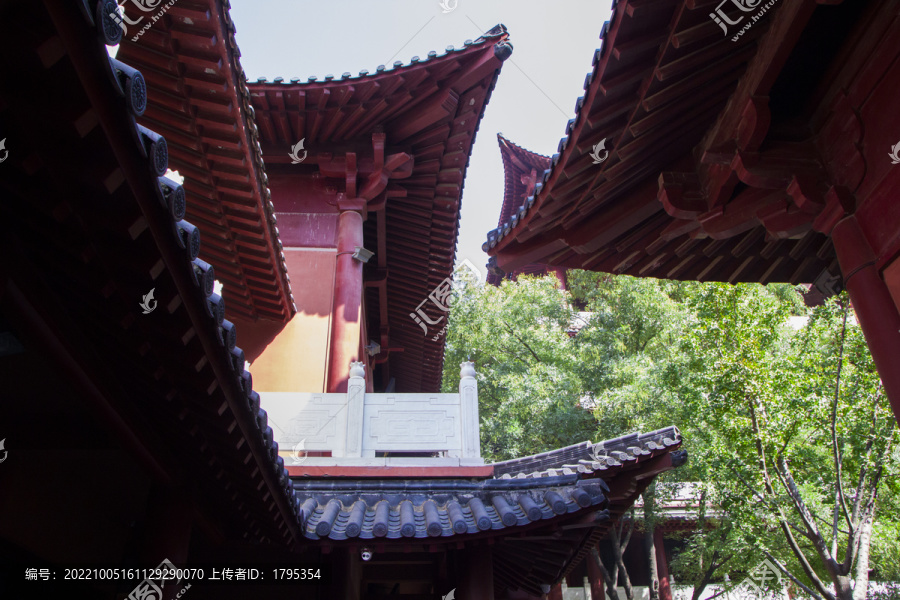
535, 94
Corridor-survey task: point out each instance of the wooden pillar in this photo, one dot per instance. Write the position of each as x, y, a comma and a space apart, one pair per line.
476, 579
556, 592
561, 277
347, 574
346, 313
662, 566
873, 303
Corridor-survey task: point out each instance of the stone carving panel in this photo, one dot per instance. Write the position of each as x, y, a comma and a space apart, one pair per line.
433, 430
412, 423
317, 420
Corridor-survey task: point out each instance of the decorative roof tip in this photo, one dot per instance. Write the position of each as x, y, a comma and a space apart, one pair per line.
508, 143
503, 50
496, 30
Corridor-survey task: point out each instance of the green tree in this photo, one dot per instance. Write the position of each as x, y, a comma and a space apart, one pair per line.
550, 376
529, 377
795, 432
786, 427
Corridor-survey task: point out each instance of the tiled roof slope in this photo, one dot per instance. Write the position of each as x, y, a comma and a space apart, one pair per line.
660, 79
105, 226
464, 508
555, 504
199, 100
547, 478
421, 217
587, 458
424, 513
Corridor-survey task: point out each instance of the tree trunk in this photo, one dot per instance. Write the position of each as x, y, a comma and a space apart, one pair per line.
842, 589
609, 584
650, 538
862, 559
618, 548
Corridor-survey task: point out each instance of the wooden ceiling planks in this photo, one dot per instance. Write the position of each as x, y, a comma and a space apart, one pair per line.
198, 99
692, 90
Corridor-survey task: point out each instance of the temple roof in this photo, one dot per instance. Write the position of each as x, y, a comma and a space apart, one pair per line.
521, 170
199, 100
554, 504
587, 458
105, 263
429, 109
518, 163
691, 187
464, 508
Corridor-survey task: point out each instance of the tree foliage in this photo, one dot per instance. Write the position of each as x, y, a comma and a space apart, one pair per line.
786, 426
529, 377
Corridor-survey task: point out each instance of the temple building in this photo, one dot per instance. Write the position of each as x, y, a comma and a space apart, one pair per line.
736, 142
239, 369
521, 171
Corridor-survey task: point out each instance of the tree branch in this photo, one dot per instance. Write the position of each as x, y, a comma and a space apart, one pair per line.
790, 575
630, 531
852, 542
792, 542
835, 517
771, 505
521, 341
787, 480
838, 463
707, 576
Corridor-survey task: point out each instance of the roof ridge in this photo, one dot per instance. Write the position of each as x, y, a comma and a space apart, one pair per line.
502, 138
503, 229
592, 456
495, 32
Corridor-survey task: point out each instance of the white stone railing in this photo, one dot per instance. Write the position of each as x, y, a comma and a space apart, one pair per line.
355, 427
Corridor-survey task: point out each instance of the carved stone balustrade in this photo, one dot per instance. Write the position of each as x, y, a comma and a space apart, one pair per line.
361, 429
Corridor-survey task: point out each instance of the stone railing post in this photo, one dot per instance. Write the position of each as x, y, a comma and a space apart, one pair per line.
356, 394
468, 399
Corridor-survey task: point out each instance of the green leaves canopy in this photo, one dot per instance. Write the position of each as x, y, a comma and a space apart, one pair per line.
724, 363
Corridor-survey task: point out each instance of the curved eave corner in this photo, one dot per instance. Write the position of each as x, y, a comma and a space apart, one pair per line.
503, 235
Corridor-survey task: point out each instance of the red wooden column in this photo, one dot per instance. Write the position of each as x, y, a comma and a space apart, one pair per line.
874, 305
348, 574
346, 313
662, 566
556, 592
476, 581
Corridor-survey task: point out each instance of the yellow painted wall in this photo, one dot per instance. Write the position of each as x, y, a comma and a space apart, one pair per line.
295, 360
